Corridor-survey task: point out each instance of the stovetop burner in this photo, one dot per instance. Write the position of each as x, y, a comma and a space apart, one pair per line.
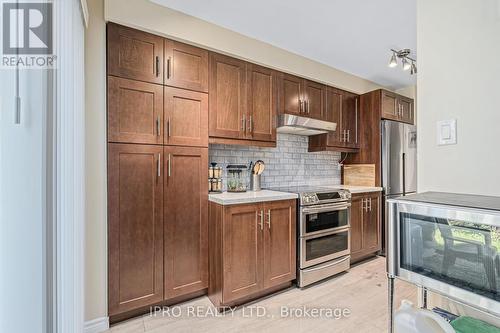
314, 195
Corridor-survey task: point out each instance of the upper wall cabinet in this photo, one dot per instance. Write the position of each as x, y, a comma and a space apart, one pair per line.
342, 108
301, 97
262, 103
227, 103
396, 107
134, 54
186, 66
135, 111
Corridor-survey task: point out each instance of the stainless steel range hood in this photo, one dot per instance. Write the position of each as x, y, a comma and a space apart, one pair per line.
298, 125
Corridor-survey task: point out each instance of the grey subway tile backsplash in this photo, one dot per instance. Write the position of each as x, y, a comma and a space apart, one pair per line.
288, 164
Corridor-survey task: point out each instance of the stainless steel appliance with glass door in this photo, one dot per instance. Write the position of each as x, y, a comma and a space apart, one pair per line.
323, 233
399, 164
449, 244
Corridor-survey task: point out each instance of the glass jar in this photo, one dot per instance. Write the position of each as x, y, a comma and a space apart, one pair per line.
237, 178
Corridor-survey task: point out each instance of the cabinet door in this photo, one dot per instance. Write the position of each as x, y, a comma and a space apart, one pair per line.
407, 112
279, 243
242, 251
350, 120
185, 220
262, 103
333, 112
290, 91
315, 99
186, 66
371, 224
186, 117
389, 105
134, 54
356, 220
135, 226
227, 103
135, 111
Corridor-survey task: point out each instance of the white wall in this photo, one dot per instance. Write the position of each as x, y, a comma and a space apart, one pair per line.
459, 77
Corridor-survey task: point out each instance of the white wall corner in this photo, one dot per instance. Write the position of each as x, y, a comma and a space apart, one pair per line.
96, 325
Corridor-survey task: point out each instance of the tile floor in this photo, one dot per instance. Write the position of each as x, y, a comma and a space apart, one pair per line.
361, 293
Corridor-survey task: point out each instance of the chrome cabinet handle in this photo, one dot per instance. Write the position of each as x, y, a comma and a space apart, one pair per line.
250, 124
157, 65
243, 123
306, 105
370, 204
168, 67
157, 125
168, 127
269, 219
301, 106
169, 166
362, 204
158, 166
348, 135
261, 223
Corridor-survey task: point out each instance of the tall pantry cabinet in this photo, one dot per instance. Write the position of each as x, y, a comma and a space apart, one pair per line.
157, 112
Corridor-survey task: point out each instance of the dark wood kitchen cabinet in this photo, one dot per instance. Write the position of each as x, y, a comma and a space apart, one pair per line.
186, 117
135, 226
243, 102
252, 250
228, 102
185, 220
366, 239
343, 108
134, 54
302, 97
262, 103
396, 107
135, 111
186, 66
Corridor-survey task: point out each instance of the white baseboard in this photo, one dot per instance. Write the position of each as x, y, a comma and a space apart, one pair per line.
96, 325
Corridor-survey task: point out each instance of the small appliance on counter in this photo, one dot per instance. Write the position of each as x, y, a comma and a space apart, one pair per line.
237, 178
256, 172
214, 178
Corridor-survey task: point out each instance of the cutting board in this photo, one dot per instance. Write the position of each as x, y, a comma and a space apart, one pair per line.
359, 174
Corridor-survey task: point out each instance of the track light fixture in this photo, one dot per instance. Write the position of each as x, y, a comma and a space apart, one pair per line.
407, 62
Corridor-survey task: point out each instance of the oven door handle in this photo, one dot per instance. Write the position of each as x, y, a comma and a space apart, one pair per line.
325, 208
329, 265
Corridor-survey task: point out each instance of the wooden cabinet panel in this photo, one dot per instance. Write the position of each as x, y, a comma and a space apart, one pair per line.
333, 112
371, 224
135, 226
407, 112
389, 105
350, 120
186, 66
290, 94
315, 99
262, 103
186, 117
185, 220
356, 225
135, 111
227, 103
242, 252
134, 54
279, 243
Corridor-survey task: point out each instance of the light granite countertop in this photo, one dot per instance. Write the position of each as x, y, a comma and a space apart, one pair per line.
230, 198
357, 189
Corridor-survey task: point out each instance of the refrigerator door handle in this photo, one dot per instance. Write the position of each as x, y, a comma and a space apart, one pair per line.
404, 174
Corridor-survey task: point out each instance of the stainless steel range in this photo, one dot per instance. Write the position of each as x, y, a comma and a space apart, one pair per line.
323, 233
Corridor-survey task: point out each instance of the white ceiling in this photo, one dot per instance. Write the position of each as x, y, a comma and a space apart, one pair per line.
351, 35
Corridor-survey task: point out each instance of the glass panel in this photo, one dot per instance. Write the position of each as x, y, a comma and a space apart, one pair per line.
326, 245
327, 220
459, 253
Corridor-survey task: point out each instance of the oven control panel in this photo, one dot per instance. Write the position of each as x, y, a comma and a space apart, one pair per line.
309, 198
312, 198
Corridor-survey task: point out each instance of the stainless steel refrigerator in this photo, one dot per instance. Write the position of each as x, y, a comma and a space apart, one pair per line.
399, 163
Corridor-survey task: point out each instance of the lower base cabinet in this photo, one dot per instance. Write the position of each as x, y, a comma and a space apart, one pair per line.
157, 226
252, 250
366, 239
